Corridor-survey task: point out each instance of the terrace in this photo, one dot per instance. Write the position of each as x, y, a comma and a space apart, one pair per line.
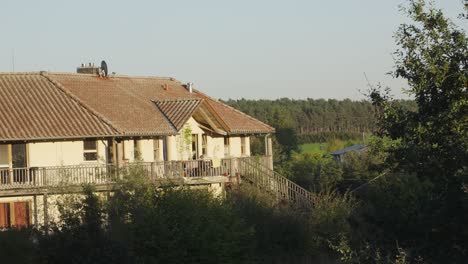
14, 181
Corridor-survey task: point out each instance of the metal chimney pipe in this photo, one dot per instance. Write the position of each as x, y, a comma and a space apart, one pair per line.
190, 87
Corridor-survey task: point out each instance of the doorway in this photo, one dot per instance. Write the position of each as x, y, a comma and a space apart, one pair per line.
19, 161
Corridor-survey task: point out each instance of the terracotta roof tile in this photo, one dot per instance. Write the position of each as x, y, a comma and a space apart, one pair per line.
31, 107
64, 105
178, 111
237, 121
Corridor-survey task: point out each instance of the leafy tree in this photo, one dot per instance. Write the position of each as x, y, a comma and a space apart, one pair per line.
432, 142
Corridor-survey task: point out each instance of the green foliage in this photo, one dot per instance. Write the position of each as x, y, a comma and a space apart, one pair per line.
314, 171
431, 142
314, 148
16, 246
433, 59
282, 232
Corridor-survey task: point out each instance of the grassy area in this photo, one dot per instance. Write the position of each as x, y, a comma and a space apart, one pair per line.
320, 148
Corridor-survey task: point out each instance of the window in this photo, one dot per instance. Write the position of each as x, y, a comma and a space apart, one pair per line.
14, 214
136, 150
110, 151
4, 156
226, 146
90, 150
204, 145
156, 150
194, 146
243, 146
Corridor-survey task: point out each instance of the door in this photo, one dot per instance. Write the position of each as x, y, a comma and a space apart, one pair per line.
4, 215
21, 214
19, 162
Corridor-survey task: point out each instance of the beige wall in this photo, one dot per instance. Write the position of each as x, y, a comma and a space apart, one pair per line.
147, 150
180, 150
62, 153
216, 147
3, 156
235, 146
71, 152
55, 153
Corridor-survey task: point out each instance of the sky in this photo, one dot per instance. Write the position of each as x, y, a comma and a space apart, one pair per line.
254, 49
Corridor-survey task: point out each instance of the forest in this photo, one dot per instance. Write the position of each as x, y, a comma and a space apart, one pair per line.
402, 200
317, 120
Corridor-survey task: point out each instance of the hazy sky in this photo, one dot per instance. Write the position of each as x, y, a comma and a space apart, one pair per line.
228, 49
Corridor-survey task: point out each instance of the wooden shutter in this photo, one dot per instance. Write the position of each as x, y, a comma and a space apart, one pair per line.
4, 215
21, 214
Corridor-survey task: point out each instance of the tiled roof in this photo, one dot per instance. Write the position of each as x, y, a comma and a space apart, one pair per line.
178, 111
65, 105
237, 121
31, 107
125, 101
130, 106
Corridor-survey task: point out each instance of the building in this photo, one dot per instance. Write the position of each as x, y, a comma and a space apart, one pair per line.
340, 155
74, 128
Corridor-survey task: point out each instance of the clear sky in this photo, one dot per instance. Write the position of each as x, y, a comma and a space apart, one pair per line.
228, 49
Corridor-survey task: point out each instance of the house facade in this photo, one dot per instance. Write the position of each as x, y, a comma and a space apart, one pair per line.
80, 125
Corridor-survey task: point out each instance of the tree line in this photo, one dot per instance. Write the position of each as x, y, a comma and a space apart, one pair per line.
316, 120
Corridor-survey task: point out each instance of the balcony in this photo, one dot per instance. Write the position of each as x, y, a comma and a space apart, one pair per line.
14, 180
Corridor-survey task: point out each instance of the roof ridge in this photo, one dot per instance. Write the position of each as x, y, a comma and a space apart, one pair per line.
234, 109
21, 73
115, 76
80, 102
178, 100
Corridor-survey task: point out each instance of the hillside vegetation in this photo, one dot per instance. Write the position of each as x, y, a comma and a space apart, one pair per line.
402, 200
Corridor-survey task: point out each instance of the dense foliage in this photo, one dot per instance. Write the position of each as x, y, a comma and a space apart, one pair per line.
432, 143
316, 120
140, 223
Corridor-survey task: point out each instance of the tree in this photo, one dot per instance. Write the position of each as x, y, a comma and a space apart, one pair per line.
433, 141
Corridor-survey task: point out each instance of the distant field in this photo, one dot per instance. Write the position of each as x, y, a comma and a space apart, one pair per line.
320, 148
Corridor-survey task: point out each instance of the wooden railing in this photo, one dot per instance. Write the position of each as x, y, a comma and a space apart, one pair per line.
253, 169
106, 174
272, 182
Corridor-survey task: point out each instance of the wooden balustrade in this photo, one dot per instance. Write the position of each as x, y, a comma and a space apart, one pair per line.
106, 174
254, 169
270, 181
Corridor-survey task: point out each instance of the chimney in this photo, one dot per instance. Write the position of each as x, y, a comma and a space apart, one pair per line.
88, 69
190, 87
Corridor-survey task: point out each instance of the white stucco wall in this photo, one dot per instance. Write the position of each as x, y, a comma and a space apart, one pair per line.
71, 152
55, 153
62, 153
215, 147
3, 156
247, 146
161, 149
235, 146
147, 150
128, 150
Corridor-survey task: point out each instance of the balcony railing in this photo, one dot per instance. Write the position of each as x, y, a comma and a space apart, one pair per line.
36, 177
